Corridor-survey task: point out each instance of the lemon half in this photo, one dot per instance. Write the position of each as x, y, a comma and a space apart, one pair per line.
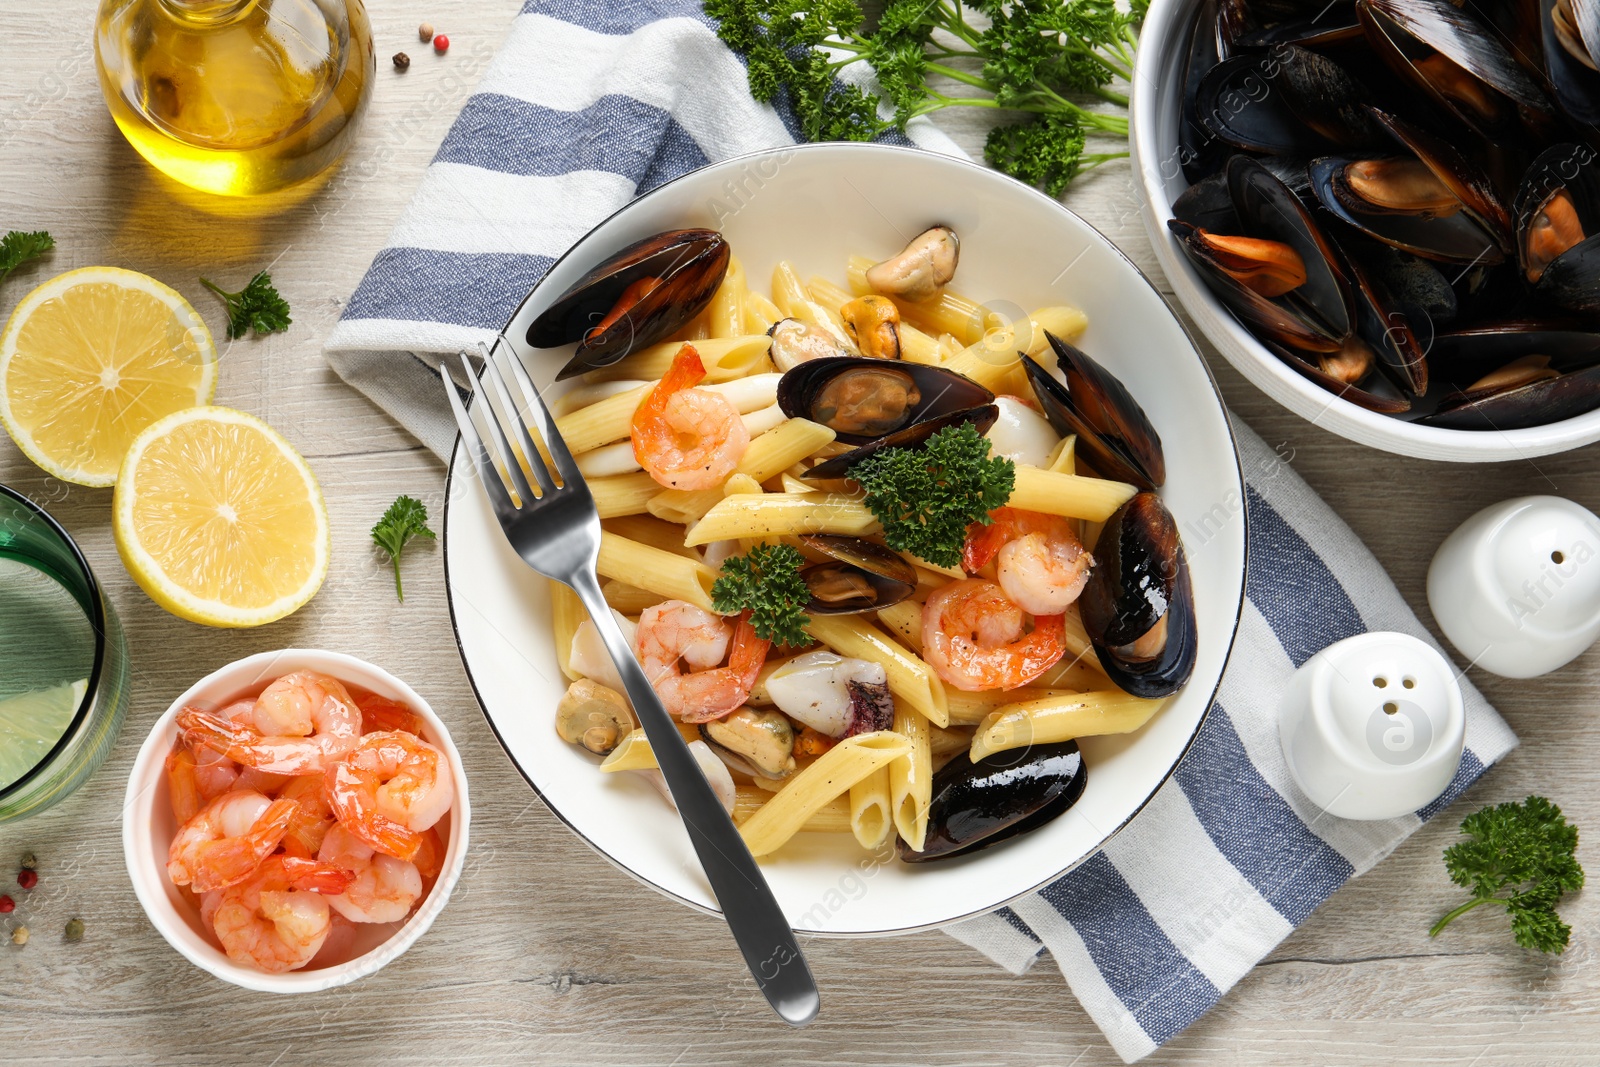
219, 519
90, 358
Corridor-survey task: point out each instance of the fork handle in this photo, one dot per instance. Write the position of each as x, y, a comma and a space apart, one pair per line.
763, 933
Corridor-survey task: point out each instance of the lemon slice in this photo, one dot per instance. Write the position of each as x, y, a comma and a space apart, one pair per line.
92, 357
219, 519
31, 723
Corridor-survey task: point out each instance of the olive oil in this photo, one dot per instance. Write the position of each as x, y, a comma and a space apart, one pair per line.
236, 97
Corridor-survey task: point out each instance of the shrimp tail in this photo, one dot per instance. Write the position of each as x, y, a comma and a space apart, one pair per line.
723, 690
232, 860
314, 877
244, 744
985, 539
378, 831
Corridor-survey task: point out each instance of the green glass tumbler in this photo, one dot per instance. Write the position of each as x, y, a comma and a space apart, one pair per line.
63, 662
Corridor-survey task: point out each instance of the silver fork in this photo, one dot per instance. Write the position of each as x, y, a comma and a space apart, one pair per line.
556, 531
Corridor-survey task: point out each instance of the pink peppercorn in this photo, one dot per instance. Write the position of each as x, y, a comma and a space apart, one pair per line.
7, 905
27, 879
441, 44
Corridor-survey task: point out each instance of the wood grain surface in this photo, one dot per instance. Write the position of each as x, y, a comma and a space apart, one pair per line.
547, 954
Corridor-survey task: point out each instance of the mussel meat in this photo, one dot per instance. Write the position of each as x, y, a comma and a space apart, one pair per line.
975, 805
922, 268
1138, 606
634, 298
1558, 227
1516, 374
873, 323
1114, 434
857, 576
753, 742
863, 399
795, 342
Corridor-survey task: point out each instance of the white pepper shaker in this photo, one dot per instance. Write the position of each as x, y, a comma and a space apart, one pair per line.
1516, 588
1373, 727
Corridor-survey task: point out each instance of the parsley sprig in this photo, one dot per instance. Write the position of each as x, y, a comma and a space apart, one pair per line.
406, 518
1522, 857
766, 582
926, 498
255, 307
19, 246
1031, 60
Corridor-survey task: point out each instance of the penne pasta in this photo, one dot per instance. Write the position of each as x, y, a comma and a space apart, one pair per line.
1071, 495
581, 396
870, 804
911, 778
970, 708
725, 359
790, 295
611, 419
673, 576
759, 313
1061, 717
910, 678
777, 514
992, 357
725, 316
623, 494
904, 621
809, 790
832, 818
1079, 648
629, 599
649, 530
964, 318
769, 454
1064, 460
566, 612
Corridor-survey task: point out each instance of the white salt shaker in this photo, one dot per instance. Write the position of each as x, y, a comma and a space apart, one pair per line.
1373, 727
1516, 588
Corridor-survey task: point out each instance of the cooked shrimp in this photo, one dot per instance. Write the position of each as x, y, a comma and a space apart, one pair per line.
430, 857
182, 789
384, 889
227, 839
300, 724
277, 920
675, 630
390, 789
688, 438
381, 713
976, 638
312, 822
1039, 561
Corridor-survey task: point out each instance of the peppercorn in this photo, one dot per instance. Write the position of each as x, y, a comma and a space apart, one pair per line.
441, 44
27, 878
74, 929
401, 61
30, 862
7, 905
425, 32
19, 936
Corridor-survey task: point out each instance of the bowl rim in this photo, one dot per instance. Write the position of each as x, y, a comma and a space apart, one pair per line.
158, 908
1044, 201
1165, 31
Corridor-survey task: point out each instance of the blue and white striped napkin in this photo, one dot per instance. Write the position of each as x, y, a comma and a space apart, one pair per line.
591, 102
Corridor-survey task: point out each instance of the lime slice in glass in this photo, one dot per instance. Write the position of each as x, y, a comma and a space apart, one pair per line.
31, 723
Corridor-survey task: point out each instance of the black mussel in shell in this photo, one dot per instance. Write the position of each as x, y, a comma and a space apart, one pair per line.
1569, 39
1339, 372
857, 575
1290, 101
1558, 226
634, 298
1461, 63
913, 436
975, 805
1512, 375
863, 399
1115, 436
1138, 606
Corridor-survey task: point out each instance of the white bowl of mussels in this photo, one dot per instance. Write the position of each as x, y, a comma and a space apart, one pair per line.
968, 267
1380, 217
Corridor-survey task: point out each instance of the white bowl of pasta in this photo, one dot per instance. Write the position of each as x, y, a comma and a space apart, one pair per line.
342, 944
798, 216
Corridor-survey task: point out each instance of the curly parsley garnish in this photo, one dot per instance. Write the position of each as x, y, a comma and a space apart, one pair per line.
926, 498
256, 307
19, 246
406, 518
1033, 58
766, 582
1522, 857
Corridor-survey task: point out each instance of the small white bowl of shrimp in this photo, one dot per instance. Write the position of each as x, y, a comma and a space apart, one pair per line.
295, 821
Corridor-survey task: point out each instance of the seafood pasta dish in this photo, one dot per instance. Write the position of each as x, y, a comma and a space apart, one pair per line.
884, 555
311, 821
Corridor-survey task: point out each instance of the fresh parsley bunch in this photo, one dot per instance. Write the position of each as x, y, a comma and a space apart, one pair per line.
19, 246
1522, 857
766, 582
1036, 60
926, 498
255, 307
405, 519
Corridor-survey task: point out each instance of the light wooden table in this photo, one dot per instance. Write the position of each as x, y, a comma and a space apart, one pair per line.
546, 953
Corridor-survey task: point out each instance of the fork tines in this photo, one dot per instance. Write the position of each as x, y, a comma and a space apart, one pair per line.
501, 405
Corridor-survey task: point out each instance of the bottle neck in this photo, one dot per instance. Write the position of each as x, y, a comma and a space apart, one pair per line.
207, 12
